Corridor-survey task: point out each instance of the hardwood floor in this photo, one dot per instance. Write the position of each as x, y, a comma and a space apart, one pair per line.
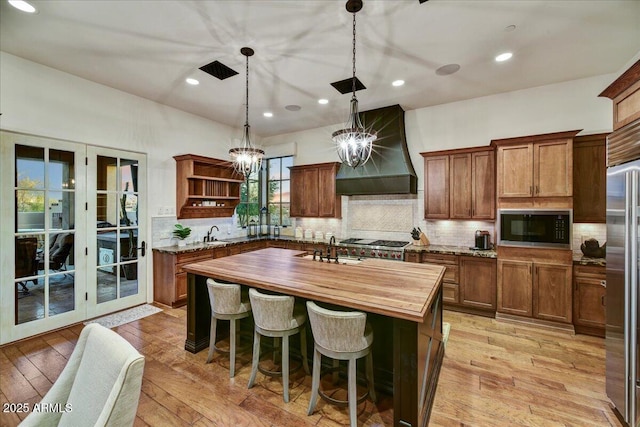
494, 374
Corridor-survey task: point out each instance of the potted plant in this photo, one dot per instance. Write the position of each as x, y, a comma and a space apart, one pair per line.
181, 233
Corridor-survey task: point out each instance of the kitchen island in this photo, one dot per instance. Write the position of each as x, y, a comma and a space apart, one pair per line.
403, 302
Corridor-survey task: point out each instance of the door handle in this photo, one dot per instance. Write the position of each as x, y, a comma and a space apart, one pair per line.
143, 248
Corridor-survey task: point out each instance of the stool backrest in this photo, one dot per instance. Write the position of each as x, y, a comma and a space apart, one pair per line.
337, 330
225, 298
272, 312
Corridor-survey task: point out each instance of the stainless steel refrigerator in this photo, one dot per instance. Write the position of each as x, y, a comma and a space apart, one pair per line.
623, 210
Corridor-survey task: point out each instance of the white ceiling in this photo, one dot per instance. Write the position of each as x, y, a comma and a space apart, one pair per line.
148, 48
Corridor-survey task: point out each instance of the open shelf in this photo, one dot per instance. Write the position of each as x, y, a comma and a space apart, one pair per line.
206, 187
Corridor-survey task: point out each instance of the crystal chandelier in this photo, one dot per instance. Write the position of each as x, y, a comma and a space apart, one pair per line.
246, 158
354, 142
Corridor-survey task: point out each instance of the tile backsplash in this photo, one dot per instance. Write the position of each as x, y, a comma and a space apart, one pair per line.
581, 232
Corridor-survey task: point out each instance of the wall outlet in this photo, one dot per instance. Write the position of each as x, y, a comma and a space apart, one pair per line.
165, 235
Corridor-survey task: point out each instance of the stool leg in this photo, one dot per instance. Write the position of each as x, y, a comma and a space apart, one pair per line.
353, 397
372, 391
285, 367
212, 339
303, 350
315, 380
256, 358
232, 349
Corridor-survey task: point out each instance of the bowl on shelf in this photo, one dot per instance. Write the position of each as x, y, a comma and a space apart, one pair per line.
591, 248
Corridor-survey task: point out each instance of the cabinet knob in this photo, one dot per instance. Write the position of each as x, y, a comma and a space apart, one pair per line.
602, 300
531, 190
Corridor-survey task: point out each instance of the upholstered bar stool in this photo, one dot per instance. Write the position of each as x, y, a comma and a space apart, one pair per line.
341, 335
277, 316
226, 304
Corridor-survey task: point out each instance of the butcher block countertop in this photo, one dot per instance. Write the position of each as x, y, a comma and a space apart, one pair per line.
396, 289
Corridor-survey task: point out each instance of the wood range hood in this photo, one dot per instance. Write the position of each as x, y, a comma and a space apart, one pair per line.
389, 170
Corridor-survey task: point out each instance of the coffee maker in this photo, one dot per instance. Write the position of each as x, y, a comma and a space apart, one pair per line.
483, 240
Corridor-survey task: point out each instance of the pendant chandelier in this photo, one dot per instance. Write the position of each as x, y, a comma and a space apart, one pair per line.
354, 142
246, 158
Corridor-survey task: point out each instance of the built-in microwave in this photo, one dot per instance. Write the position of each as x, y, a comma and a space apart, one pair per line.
536, 227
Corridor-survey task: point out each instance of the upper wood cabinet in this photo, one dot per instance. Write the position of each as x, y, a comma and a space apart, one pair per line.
460, 184
313, 191
590, 178
535, 169
625, 93
206, 187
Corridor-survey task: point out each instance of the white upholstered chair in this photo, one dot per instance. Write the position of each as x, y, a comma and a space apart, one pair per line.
277, 316
340, 335
226, 304
99, 386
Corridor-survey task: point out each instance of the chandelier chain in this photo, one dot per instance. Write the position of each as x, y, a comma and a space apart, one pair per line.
246, 111
353, 81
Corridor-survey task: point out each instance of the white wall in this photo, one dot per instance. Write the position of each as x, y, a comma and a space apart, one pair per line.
475, 122
42, 101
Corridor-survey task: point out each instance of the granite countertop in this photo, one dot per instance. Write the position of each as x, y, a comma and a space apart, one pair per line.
579, 258
200, 246
452, 250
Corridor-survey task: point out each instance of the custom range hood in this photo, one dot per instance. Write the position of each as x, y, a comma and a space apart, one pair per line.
389, 170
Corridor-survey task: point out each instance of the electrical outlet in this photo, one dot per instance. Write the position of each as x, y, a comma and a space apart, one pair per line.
165, 235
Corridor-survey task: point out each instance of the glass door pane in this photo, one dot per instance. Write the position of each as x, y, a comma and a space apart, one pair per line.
45, 283
119, 272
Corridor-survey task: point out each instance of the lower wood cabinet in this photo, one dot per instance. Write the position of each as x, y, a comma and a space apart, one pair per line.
589, 299
478, 282
469, 283
535, 289
169, 280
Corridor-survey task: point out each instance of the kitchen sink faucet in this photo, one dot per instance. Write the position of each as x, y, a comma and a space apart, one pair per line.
208, 237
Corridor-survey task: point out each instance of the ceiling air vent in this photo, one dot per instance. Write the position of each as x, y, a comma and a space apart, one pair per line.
218, 70
346, 85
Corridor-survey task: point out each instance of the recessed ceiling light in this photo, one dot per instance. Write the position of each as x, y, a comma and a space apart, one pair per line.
193, 82
504, 57
292, 107
397, 83
22, 5
323, 101
510, 28
445, 70
267, 114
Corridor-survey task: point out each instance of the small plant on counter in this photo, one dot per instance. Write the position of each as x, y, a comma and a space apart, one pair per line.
181, 232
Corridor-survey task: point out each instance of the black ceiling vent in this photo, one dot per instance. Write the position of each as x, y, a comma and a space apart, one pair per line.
218, 70
422, 1
346, 85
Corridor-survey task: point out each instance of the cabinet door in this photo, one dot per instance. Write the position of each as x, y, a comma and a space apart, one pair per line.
483, 185
181, 287
327, 191
515, 287
589, 179
553, 168
297, 191
478, 282
589, 302
552, 292
515, 171
460, 189
310, 192
436, 187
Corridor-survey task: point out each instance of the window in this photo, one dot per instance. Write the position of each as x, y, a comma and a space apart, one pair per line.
278, 187
249, 208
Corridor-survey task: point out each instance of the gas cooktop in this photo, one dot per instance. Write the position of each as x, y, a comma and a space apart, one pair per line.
372, 242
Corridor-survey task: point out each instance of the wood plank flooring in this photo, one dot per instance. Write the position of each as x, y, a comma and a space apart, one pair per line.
494, 374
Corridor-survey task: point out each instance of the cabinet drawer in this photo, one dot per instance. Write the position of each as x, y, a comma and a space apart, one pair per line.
590, 271
450, 262
188, 257
450, 293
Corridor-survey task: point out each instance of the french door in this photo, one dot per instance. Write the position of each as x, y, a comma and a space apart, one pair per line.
50, 272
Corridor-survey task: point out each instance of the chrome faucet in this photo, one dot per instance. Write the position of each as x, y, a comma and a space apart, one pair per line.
208, 237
